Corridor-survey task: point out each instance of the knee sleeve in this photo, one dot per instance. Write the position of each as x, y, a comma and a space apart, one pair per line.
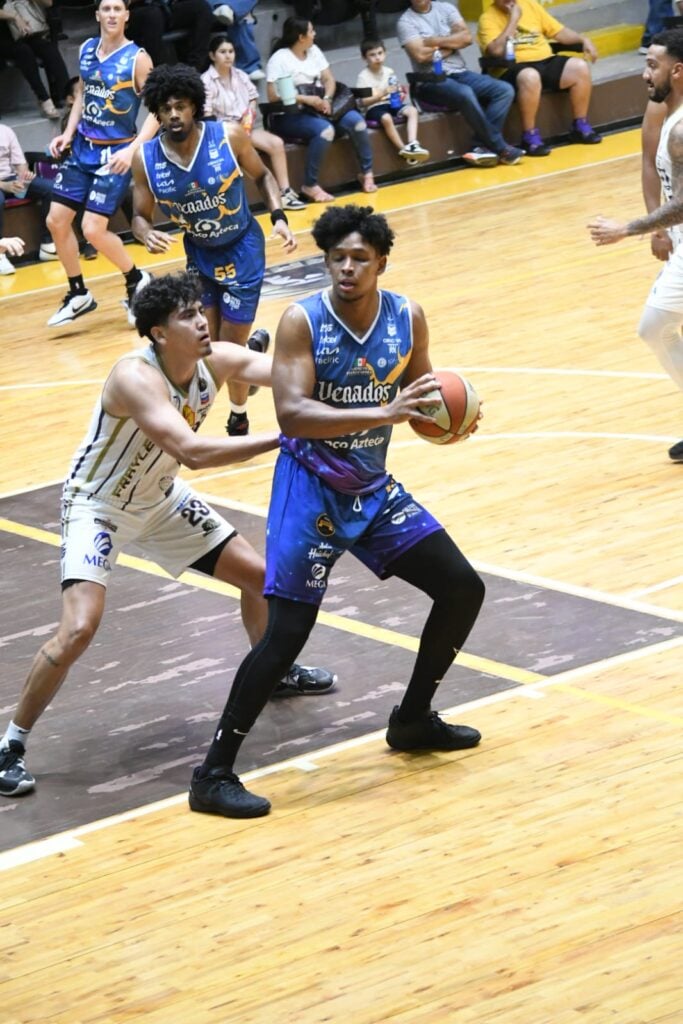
661, 330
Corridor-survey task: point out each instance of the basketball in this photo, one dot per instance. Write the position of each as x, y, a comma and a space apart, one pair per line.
454, 410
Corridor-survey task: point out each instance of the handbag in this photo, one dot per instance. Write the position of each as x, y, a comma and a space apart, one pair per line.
342, 101
32, 14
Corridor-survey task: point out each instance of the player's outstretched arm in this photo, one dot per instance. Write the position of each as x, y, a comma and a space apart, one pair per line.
232, 362
137, 390
604, 232
300, 414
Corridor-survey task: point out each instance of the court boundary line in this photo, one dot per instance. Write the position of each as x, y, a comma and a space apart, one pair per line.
61, 842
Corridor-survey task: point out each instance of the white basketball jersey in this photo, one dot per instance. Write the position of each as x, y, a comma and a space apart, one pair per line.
664, 167
118, 464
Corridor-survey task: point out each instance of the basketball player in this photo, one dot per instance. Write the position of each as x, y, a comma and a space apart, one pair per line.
349, 363
100, 138
194, 172
123, 486
660, 324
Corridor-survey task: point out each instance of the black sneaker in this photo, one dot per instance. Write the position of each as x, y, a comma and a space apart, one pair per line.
221, 792
15, 780
304, 679
429, 732
238, 424
676, 452
258, 342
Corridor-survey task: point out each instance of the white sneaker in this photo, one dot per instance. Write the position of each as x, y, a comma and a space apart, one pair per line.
126, 303
224, 14
50, 110
291, 201
47, 252
414, 153
480, 157
72, 307
6, 268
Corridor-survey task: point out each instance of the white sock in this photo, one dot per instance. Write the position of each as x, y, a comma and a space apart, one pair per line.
14, 732
237, 409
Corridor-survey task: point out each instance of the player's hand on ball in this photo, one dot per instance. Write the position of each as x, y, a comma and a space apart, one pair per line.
410, 402
605, 232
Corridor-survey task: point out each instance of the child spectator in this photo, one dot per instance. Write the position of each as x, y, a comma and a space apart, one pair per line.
388, 104
17, 181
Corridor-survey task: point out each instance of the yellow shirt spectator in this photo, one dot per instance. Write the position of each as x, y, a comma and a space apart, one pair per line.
534, 29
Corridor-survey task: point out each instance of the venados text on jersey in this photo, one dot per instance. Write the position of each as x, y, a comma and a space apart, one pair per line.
372, 394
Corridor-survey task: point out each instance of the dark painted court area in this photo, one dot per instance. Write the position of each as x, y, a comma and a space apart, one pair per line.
138, 710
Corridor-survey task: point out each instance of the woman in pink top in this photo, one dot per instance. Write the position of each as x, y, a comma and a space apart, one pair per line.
232, 96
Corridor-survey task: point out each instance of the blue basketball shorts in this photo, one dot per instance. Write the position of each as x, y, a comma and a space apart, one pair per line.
310, 526
83, 179
231, 275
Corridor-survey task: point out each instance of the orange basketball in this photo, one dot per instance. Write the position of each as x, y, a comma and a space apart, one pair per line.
454, 410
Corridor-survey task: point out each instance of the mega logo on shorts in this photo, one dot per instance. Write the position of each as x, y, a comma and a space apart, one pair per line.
318, 573
103, 545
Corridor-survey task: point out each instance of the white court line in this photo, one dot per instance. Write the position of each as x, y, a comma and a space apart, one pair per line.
531, 371
673, 582
72, 839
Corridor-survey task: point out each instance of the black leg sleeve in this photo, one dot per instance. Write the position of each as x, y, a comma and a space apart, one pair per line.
436, 566
289, 626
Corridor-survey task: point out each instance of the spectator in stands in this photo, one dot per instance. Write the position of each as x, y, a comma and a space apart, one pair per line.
333, 12
231, 96
26, 43
657, 11
433, 33
380, 106
528, 27
297, 59
239, 22
17, 181
150, 19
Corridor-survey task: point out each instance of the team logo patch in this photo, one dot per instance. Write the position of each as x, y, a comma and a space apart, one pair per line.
103, 542
324, 525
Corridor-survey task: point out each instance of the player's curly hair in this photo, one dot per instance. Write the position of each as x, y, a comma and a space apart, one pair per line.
178, 80
339, 221
162, 297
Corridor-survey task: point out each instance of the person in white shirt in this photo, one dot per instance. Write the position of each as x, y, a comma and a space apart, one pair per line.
17, 182
232, 96
379, 106
298, 61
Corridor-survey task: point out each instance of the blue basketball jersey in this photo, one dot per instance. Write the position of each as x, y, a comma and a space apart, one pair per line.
353, 372
207, 199
110, 102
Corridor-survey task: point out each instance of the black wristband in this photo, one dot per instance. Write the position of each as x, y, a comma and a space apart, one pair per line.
277, 215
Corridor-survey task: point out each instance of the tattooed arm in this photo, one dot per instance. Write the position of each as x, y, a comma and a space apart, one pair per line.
605, 232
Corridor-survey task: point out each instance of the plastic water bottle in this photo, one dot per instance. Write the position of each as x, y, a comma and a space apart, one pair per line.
509, 49
437, 62
394, 94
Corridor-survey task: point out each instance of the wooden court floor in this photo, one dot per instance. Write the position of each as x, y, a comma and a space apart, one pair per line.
534, 880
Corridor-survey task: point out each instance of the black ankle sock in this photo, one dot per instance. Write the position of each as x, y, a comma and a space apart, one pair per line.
132, 278
77, 285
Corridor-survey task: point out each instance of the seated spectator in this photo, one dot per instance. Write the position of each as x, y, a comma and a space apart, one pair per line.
529, 28
239, 28
433, 34
388, 104
296, 58
26, 43
17, 181
231, 96
150, 19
